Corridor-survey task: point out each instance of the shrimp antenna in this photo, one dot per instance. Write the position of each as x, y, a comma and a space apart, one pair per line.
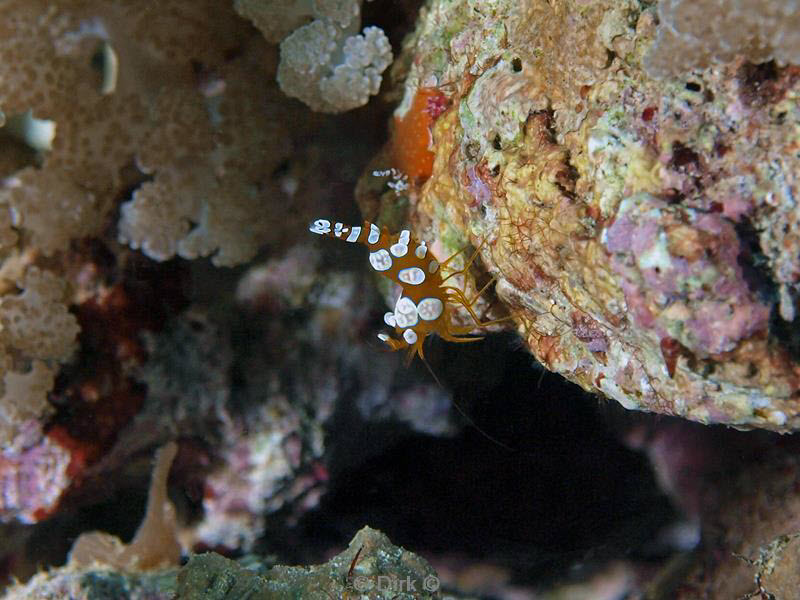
489, 437
464, 415
427, 366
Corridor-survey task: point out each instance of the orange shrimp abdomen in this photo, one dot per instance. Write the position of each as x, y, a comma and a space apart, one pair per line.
405, 261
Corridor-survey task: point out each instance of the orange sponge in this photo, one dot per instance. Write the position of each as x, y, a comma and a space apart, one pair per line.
412, 134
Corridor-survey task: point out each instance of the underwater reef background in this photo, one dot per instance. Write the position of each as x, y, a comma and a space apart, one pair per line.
193, 399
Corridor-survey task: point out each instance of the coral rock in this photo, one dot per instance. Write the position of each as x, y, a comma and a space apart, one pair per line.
370, 565
641, 230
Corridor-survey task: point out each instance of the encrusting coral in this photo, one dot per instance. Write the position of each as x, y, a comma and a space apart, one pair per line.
197, 145
130, 127
36, 334
326, 63
131, 111
642, 230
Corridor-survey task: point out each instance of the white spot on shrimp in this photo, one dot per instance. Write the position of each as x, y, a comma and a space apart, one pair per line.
383, 337
320, 226
404, 237
430, 309
388, 318
410, 336
433, 266
380, 260
374, 234
421, 250
337, 230
399, 249
354, 234
405, 313
411, 275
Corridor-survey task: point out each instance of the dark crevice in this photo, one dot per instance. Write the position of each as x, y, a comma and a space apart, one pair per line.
565, 190
758, 276
754, 264
539, 480
233, 53
284, 168
760, 84
567, 178
17, 154
397, 19
683, 157
610, 56
786, 334
134, 178
548, 120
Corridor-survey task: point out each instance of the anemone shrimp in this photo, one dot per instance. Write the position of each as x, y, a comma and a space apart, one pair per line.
426, 304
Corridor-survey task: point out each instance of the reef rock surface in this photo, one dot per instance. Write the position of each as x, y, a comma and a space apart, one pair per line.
371, 566
642, 225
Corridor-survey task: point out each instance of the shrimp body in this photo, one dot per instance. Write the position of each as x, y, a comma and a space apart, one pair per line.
426, 303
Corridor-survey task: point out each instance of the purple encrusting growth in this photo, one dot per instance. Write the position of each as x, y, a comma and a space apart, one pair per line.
590, 333
479, 190
681, 276
33, 475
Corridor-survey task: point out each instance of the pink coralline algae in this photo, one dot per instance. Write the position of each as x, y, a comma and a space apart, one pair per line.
681, 276
33, 479
260, 474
